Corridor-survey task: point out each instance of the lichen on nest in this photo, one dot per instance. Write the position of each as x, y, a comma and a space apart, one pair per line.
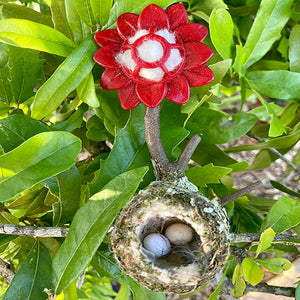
184, 267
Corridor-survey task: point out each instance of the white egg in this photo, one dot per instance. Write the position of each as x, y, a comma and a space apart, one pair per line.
179, 234
157, 243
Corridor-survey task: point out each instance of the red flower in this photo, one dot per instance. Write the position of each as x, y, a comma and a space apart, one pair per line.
154, 55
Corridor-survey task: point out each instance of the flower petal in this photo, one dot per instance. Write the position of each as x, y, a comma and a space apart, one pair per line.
197, 54
105, 56
192, 32
153, 16
178, 90
151, 95
114, 79
177, 15
199, 76
106, 37
126, 24
128, 97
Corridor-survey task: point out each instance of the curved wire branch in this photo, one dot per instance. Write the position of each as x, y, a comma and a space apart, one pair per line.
163, 168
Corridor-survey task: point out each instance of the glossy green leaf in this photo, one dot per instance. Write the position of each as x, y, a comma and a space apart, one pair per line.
110, 111
201, 176
132, 6
90, 225
281, 142
16, 129
276, 84
42, 156
86, 91
69, 196
266, 29
79, 29
215, 127
96, 130
4, 108
27, 34
84, 10
283, 215
59, 17
140, 292
251, 271
33, 277
20, 75
66, 78
8, 218
10, 10
275, 265
221, 32
101, 10
265, 240
294, 49
73, 121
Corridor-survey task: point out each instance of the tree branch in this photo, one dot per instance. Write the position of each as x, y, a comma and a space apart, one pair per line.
272, 289
227, 199
33, 231
6, 272
254, 237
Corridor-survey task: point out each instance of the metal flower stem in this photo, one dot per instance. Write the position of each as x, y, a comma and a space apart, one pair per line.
163, 168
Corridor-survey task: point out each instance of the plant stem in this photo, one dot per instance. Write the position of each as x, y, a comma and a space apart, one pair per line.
33, 231
227, 199
5, 271
254, 237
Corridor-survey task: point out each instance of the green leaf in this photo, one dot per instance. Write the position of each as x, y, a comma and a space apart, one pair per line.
275, 265
16, 11
101, 10
140, 292
136, 155
238, 281
96, 129
221, 32
121, 6
42, 156
69, 196
90, 225
201, 176
110, 111
252, 272
86, 91
266, 29
59, 17
283, 215
265, 240
20, 74
79, 29
66, 78
294, 50
281, 142
216, 127
276, 84
33, 276
84, 10
16, 129
4, 108
27, 34
284, 189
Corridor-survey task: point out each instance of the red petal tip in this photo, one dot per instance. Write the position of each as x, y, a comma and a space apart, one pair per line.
153, 16
177, 15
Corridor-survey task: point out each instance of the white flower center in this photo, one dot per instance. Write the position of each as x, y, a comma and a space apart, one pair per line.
137, 35
125, 59
150, 51
167, 35
174, 60
153, 74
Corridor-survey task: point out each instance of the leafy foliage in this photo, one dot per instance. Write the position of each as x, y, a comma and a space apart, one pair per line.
71, 156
